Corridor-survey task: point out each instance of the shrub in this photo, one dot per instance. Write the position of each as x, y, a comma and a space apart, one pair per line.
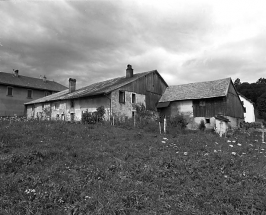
178, 121
202, 125
93, 117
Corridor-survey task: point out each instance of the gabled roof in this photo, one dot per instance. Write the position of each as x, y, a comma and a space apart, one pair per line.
99, 88
199, 90
29, 82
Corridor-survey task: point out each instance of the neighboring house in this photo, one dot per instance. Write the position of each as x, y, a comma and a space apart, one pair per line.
203, 101
249, 116
119, 97
15, 90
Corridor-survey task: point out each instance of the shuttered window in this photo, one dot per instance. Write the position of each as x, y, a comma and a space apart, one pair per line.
122, 96
9, 91
29, 94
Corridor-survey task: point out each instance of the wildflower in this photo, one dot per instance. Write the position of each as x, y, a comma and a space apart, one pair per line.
206, 154
163, 142
239, 144
216, 143
185, 153
229, 141
233, 153
176, 152
225, 176
256, 140
243, 153
233, 141
231, 145
165, 138
250, 144
214, 151
262, 149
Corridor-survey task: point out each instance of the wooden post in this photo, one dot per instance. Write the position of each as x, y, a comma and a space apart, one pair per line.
113, 120
262, 134
160, 129
134, 120
164, 125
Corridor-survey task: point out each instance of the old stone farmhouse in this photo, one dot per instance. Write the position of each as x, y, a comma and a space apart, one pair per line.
16, 89
119, 97
203, 101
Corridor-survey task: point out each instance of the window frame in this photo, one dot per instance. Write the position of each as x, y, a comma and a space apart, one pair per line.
7, 93
208, 120
29, 97
122, 96
202, 103
72, 103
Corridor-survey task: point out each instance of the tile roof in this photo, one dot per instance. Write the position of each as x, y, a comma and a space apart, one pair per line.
199, 90
30, 82
103, 87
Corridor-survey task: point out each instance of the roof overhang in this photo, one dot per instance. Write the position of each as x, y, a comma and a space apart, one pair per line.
163, 104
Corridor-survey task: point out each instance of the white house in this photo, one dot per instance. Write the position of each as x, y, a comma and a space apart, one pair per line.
249, 116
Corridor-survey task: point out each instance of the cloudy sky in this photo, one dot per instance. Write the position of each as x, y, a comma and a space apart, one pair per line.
185, 40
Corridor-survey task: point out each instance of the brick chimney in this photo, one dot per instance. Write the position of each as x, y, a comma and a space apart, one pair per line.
129, 71
44, 78
16, 72
72, 85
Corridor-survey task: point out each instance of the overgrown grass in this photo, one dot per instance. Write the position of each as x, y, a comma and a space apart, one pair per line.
60, 168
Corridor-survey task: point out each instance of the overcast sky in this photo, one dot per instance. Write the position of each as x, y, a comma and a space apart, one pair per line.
186, 41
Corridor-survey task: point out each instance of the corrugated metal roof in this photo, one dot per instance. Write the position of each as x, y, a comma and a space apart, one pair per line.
29, 82
199, 90
103, 87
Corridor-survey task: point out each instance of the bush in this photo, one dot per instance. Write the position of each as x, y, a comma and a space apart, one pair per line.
202, 125
93, 117
178, 121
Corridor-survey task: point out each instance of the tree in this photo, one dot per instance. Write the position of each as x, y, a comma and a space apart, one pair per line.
237, 83
261, 81
261, 104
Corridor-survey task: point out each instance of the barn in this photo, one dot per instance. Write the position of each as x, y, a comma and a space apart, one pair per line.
118, 96
249, 115
203, 101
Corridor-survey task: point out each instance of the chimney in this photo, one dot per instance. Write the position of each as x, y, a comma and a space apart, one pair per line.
44, 78
16, 72
129, 71
72, 85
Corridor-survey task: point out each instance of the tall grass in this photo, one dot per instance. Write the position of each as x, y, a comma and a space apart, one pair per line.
63, 168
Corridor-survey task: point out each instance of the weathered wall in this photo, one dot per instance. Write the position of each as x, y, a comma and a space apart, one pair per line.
249, 116
10, 105
211, 107
221, 127
62, 110
151, 85
125, 109
234, 106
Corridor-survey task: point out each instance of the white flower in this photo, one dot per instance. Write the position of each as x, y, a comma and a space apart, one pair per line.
231, 145
229, 141
165, 138
262, 149
216, 143
185, 153
206, 154
256, 140
214, 151
225, 176
250, 144
177, 152
163, 142
233, 141
243, 153
239, 144
233, 153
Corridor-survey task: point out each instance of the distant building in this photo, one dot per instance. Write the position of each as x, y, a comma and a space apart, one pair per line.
249, 115
118, 96
203, 101
15, 90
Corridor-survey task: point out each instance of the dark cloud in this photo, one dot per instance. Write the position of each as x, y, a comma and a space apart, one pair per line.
95, 40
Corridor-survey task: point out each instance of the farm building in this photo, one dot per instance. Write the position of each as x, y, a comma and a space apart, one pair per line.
249, 115
16, 89
203, 101
118, 96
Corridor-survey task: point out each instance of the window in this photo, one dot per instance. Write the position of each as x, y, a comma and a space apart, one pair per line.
122, 96
133, 98
72, 103
47, 93
202, 103
56, 105
10, 91
208, 120
29, 94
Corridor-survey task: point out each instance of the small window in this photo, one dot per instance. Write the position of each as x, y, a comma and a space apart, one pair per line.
133, 114
122, 96
133, 98
72, 103
245, 110
202, 103
208, 120
10, 91
29, 94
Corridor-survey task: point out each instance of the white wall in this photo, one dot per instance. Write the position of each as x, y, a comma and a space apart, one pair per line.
249, 116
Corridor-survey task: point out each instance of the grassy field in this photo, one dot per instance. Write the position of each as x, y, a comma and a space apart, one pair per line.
59, 168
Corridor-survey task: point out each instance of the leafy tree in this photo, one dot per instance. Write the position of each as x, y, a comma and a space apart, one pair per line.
237, 82
261, 81
261, 104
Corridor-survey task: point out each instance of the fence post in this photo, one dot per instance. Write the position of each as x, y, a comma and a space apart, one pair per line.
160, 129
164, 125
